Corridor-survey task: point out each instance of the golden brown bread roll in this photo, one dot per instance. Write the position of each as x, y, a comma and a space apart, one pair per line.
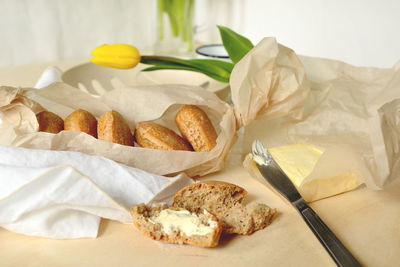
81, 121
112, 127
153, 135
196, 127
49, 122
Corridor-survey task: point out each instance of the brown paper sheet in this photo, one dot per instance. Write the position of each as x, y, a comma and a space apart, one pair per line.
269, 82
160, 103
353, 115
155, 103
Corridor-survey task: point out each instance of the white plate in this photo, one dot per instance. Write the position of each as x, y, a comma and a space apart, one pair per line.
96, 79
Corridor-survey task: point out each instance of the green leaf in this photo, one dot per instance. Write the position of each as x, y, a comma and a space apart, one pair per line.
211, 75
216, 69
235, 44
170, 65
213, 64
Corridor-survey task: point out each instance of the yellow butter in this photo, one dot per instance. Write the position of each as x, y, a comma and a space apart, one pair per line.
183, 220
297, 161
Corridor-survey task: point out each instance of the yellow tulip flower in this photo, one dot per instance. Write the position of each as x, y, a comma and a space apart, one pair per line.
124, 56
121, 56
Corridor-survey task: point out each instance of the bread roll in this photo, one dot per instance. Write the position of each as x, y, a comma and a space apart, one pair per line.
112, 127
153, 135
175, 225
81, 121
196, 127
224, 200
49, 122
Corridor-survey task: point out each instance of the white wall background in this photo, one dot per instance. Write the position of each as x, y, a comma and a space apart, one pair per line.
34, 31
358, 32
361, 32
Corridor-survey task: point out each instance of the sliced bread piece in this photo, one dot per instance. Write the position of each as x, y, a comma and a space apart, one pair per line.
214, 196
177, 225
224, 200
246, 219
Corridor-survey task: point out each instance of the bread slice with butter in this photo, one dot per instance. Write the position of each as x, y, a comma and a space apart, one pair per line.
224, 200
177, 225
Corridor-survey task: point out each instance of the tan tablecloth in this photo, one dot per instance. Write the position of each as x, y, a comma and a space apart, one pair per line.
368, 223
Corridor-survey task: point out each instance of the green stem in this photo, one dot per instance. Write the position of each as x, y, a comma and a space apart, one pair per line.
160, 12
189, 24
172, 10
216, 69
145, 59
180, 12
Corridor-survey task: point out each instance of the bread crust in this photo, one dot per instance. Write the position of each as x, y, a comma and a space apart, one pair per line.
196, 127
140, 214
156, 136
81, 121
49, 122
212, 187
112, 127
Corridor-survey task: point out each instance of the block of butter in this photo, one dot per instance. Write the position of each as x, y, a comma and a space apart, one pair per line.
298, 162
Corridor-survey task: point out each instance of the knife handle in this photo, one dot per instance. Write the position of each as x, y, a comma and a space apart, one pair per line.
331, 243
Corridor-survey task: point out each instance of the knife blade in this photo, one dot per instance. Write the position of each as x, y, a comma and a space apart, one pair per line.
277, 178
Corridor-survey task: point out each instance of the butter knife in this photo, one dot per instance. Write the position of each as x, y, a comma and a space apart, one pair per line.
274, 175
